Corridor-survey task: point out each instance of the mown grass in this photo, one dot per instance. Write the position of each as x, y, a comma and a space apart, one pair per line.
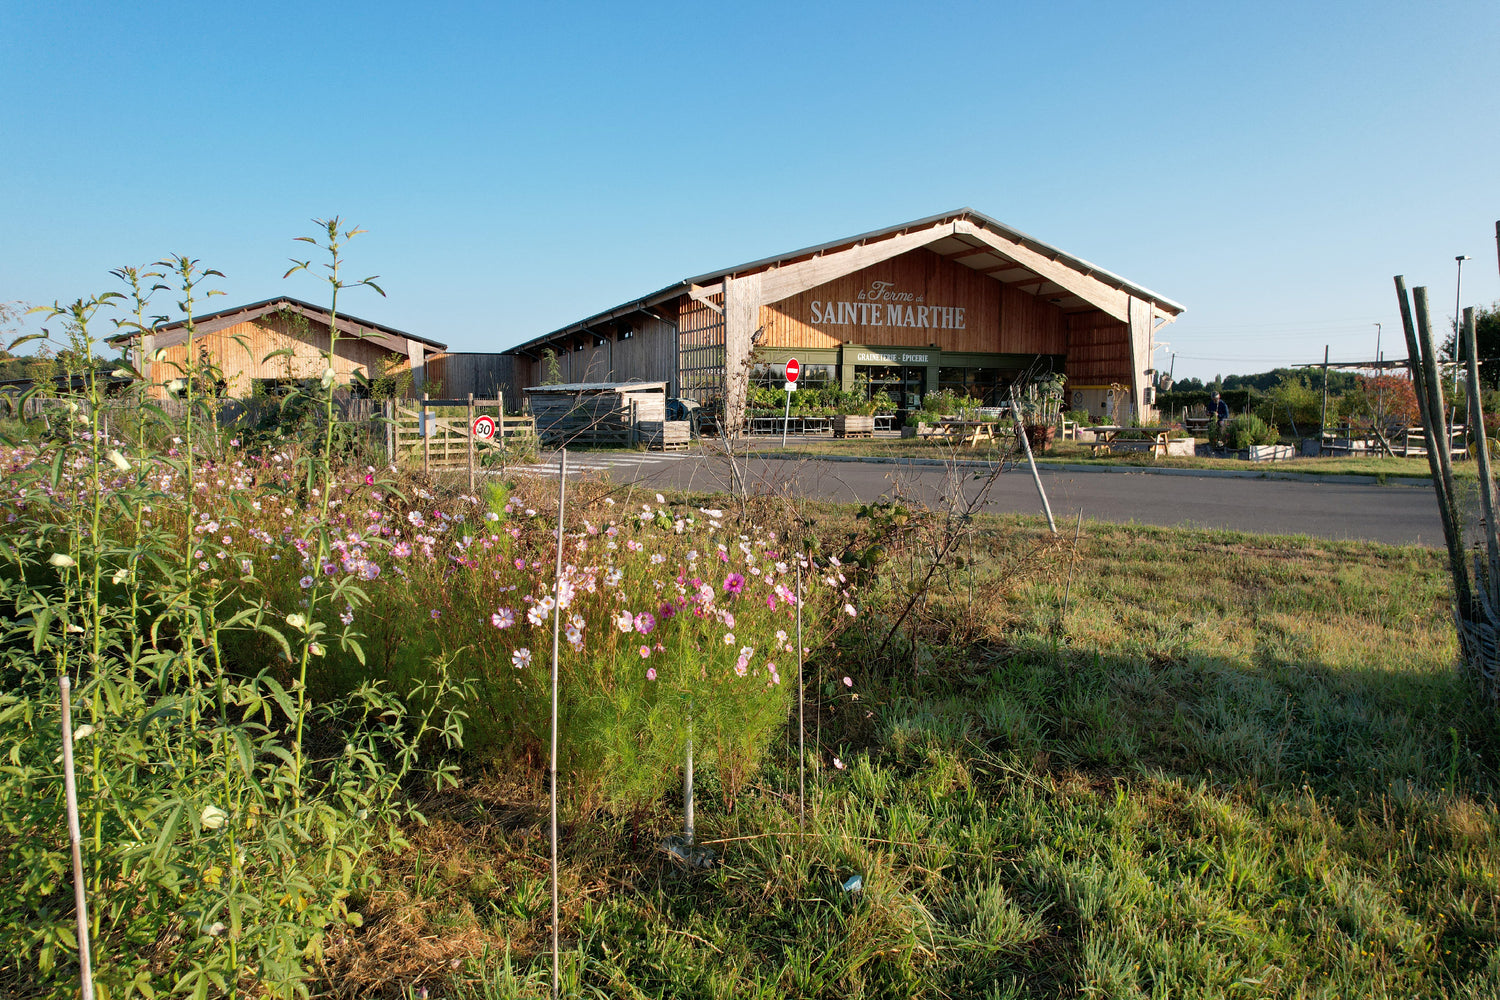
1211, 765
1074, 453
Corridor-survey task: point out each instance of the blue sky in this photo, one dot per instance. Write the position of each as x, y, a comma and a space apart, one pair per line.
1268, 165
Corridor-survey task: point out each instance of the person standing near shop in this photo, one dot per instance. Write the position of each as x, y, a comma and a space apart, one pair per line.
1218, 416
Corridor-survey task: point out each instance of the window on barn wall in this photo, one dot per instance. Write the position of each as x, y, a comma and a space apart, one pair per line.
772, 375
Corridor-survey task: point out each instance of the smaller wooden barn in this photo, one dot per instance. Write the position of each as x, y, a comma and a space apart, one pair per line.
618, 414
261, 347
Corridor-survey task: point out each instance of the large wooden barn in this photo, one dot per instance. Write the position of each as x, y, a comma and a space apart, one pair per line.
261, 346
954, 301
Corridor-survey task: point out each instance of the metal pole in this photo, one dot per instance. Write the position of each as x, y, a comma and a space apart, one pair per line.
562, 492
788, 417
1458, 292
75, 839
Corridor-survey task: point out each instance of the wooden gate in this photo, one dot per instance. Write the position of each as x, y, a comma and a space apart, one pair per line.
423, 434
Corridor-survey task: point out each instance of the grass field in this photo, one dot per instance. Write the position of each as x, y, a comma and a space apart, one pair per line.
1171, 763
1073, 453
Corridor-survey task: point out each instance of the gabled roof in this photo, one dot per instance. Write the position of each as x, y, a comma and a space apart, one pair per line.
965, 243
388, 337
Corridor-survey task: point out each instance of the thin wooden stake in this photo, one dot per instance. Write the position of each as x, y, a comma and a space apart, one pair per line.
801, 716
75, 838
562, 492
1036, 477
470, 439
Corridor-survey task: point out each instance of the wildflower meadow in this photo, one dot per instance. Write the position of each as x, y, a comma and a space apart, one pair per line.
277, 653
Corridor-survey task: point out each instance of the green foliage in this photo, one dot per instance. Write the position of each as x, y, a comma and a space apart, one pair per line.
551, 368
1247, 429
220, 855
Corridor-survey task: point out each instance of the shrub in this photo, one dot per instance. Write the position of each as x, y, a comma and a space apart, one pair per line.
1247, 429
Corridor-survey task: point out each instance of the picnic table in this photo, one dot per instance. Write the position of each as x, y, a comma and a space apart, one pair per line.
967, 432
1108, 435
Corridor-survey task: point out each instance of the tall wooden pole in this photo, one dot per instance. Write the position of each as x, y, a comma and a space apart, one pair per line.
426, 437
1323, 416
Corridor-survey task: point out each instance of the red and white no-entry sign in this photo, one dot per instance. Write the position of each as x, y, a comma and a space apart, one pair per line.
792, 369
484, 428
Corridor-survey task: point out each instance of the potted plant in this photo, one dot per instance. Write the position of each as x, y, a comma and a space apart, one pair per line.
1038, 407
854, 416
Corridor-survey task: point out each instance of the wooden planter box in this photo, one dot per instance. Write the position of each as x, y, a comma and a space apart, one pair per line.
851, 425
1182, 447
1040, 438
664, 435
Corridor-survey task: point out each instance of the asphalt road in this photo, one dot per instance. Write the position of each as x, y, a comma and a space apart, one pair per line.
1396, 514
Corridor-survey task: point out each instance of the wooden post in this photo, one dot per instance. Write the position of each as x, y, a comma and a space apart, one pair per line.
632, 424
389, 410
500, 428
471, 444
1323, 415
426, 438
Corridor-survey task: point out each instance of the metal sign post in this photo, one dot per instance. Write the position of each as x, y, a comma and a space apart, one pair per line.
793, 369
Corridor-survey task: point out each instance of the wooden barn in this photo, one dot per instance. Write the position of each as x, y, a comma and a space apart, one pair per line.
257, 348
956, 301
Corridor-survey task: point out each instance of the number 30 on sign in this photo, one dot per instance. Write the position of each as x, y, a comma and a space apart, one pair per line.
484, 428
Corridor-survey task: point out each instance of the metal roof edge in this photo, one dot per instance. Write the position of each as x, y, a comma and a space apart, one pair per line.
671, 291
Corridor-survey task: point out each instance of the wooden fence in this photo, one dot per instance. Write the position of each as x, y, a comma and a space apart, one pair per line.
417, 434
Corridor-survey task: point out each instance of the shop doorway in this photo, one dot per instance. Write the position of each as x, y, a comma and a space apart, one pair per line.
903, 383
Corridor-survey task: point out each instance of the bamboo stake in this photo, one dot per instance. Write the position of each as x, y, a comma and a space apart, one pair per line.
1481, 441
1453, 530
1030, 460
801, 717
75, 839
562, 491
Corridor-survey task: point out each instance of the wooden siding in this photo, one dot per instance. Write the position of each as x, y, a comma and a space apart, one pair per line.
649, 354
240, 352
1098, 349
454, 376
996, 318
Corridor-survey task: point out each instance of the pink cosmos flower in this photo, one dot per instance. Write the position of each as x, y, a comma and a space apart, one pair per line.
848, 683
503, 618
521, 658
645, 652
436, 614
650, 673
645, 622
734, 583
369, 479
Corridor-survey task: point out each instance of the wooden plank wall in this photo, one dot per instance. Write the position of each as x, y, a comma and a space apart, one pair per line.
649, 354
240, 351
485, 375
996, 318
1098, 349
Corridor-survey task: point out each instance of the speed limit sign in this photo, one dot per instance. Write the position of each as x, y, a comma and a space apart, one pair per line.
484, 428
